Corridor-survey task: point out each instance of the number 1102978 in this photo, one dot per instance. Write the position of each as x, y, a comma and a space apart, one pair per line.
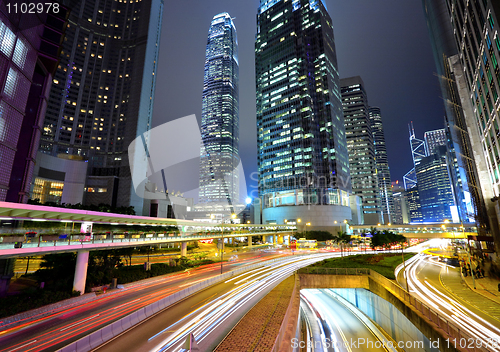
31, 7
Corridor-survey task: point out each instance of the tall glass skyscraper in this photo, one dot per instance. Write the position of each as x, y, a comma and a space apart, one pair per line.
383, 171
361, 148
302, 151
219, 158
103, 92
434, 186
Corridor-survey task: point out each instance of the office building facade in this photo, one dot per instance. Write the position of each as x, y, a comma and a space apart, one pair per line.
103, 92
302, 153
465, 100
434, 187
219, 157
29, 49
361, 148
434, 139
383, 171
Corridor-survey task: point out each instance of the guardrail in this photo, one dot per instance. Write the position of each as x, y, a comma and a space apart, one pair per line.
456, 336
334, 271
106, 333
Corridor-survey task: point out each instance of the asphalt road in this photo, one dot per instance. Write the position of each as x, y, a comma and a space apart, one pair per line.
210, 314
67, 325
339, 328
425, 283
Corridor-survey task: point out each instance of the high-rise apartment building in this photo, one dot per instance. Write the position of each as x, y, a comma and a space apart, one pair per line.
465, 43
102, 93
219, 158
29, 48
302, 152
383, 171
361, 148
434, 139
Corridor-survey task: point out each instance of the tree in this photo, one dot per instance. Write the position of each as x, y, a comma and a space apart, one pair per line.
126, 253
57, 271
342, 239
320, 236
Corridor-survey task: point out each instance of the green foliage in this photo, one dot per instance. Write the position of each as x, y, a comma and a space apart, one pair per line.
342, 239
385, 239
57, 271
384, 264
320, 236
106, 208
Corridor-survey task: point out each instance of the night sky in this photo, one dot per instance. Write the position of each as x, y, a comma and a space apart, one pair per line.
383, 41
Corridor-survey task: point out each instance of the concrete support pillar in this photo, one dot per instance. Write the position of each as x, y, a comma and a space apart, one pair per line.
249, 241
274, 239
82, 262
183, 249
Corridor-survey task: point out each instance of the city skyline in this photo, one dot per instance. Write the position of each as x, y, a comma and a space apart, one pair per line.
182, 89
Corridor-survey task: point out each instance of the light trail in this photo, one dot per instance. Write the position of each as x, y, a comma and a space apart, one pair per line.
205, 320
60, 334
452, 310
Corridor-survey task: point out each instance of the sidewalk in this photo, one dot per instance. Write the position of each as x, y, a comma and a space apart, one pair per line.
258, 329
485, 297
488, 287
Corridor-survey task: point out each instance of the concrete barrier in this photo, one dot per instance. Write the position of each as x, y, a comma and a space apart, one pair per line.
96, 339
106, 333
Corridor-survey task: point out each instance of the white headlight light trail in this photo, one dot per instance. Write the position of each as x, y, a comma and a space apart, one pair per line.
215, 312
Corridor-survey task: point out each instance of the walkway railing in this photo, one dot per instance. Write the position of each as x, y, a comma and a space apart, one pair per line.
21, 243
334, 271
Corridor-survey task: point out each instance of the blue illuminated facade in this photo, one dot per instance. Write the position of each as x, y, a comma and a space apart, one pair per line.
219, 179
434, 186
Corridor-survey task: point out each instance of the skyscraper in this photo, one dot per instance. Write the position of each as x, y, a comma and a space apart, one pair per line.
457, 31
103, 92
29, 48
302, 152
434, 139
219, 158
434, 187
418, 151
383, 172
361, 148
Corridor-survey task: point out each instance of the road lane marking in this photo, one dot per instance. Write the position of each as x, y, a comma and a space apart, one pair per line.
78, 323
135, 300
26, 344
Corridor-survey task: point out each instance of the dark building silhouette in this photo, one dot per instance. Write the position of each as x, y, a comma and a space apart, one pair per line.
102, 94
